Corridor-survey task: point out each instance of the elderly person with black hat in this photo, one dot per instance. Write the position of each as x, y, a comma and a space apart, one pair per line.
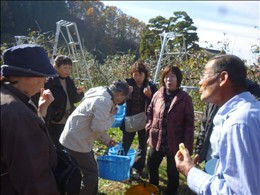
89, 122
27, 153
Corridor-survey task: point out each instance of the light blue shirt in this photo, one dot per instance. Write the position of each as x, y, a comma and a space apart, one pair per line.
238, 151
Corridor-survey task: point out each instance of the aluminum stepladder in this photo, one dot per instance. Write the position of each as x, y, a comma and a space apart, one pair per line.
74, 46
165, 38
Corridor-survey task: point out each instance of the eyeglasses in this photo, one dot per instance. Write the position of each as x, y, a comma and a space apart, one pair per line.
204, 77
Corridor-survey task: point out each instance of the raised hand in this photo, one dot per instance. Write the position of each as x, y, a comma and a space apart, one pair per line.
80, 89
147, 91
183, 161
45, 100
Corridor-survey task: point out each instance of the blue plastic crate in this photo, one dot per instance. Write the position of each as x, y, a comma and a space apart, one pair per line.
131, 153
116, 168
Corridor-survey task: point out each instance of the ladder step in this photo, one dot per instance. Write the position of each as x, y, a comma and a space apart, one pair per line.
71, 24
74, 43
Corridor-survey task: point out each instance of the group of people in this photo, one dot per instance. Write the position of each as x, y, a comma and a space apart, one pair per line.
30, 114
38, 117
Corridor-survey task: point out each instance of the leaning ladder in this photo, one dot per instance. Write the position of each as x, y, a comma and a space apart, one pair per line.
165, 37
74, 46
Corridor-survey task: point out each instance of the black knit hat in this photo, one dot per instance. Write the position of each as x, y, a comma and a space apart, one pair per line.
27, 60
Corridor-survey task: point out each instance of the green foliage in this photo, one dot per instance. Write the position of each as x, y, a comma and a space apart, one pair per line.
110, 35
253, 73
148, 44
179, 23
115, 68
183, 24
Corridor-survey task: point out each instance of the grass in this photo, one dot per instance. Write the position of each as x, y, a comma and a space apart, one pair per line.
107, 187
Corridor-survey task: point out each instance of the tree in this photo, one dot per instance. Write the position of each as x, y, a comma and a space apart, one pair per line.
180, 23
89, 13
148, 44
21, 17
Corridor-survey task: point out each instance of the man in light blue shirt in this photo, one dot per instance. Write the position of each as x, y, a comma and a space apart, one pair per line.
237, 132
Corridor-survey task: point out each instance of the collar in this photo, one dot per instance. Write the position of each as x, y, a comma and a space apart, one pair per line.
17, 92
63, 78
24, 98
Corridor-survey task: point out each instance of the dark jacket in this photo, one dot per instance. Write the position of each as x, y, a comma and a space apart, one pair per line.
180, 121
145, 103
57, 108
28, 157
202, 142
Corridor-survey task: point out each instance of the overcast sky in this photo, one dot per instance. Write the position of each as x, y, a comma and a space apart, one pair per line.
239, 20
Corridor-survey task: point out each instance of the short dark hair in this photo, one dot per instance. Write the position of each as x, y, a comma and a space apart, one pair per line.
140, 67
234, 66
120, 86
175, 70
62, 59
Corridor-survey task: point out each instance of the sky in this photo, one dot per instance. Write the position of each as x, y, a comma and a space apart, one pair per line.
234, 22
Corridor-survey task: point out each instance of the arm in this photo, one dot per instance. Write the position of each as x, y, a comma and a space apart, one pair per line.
76, 93
149, 115
198, 181
238, 165
46, 98
102, 119
149, 91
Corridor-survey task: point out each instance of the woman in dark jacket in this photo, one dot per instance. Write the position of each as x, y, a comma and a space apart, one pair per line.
170, 118
65, 93
28, 157
141, 95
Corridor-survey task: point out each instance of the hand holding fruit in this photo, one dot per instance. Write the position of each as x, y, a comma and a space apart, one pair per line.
147, 91
80, 89
183, 160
